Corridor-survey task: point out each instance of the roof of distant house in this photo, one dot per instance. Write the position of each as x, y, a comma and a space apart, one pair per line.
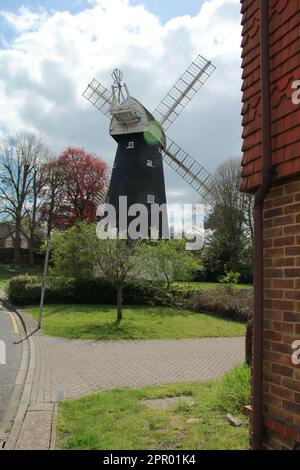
6, 229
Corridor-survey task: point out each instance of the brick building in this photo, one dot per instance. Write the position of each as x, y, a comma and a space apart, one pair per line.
271, 171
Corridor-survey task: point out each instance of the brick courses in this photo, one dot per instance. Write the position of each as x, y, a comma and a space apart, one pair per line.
281, 315
281, 379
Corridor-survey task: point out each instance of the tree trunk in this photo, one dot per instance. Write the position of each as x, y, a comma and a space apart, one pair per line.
119, 303
17, 244
36, 192
32, 239
31, 251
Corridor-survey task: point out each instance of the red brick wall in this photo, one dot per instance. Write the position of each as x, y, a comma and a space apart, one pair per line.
281, 379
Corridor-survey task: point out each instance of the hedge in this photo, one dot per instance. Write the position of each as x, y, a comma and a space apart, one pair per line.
7, 256
226, 302
25, 290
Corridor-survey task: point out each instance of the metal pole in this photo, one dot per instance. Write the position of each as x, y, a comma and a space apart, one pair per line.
43, 284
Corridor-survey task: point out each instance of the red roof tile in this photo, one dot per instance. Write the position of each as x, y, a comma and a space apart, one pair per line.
284, 69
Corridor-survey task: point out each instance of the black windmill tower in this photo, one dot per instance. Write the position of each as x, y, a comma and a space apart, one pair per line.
138, 172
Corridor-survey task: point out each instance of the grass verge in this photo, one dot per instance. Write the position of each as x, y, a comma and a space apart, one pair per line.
140, 322
196, 286
117, 419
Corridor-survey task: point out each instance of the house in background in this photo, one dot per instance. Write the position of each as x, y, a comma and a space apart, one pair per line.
7, 234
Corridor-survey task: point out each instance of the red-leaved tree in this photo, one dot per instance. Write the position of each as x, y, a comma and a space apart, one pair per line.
74, 181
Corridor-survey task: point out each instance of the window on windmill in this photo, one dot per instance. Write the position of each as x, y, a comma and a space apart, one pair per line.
150, 199
150, 163
130, 145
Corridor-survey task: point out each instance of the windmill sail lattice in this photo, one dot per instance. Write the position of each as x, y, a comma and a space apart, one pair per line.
189, 169
100, 199
101, 196
183, 91
99, 96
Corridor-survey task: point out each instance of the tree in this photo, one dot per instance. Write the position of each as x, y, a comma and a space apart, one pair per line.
116, 261
229, 225
78, 253
19, 160
73, 251
53, 194
33, 207
167, 260
76, 179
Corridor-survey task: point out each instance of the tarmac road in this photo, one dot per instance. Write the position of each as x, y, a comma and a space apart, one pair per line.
9, 333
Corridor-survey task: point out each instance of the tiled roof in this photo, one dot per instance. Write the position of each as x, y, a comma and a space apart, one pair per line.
284, 69
6, 229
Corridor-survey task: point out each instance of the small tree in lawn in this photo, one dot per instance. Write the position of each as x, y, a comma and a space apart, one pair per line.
167, 261
73, 251
77, 252
116, 262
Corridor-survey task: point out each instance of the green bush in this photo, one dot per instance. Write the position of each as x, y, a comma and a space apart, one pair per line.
236, 304
23, 286
231, 278
233, 390
25, 290
226, 302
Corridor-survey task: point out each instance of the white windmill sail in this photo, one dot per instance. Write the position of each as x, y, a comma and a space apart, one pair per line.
183, 91
99, 96
200, 179
100, 199
101, 196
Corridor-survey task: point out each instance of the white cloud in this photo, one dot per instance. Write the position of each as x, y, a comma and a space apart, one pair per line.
25, 20
46, 67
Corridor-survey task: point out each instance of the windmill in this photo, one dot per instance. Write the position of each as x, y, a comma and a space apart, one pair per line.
142, 142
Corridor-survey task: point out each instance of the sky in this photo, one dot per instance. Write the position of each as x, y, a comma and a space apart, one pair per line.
50, 50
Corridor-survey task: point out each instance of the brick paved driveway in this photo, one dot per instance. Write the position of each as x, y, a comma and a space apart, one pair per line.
71, 368
63, 368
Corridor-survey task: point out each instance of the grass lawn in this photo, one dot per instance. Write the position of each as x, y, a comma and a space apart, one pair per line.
7, 272
98, 322
117, 419
208, 285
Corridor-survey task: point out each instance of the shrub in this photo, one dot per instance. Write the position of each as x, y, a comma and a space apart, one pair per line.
236, 304
233, 390
25, 290
231, 277
80, 239
167, 261
23, 287
7, 256
226, 302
